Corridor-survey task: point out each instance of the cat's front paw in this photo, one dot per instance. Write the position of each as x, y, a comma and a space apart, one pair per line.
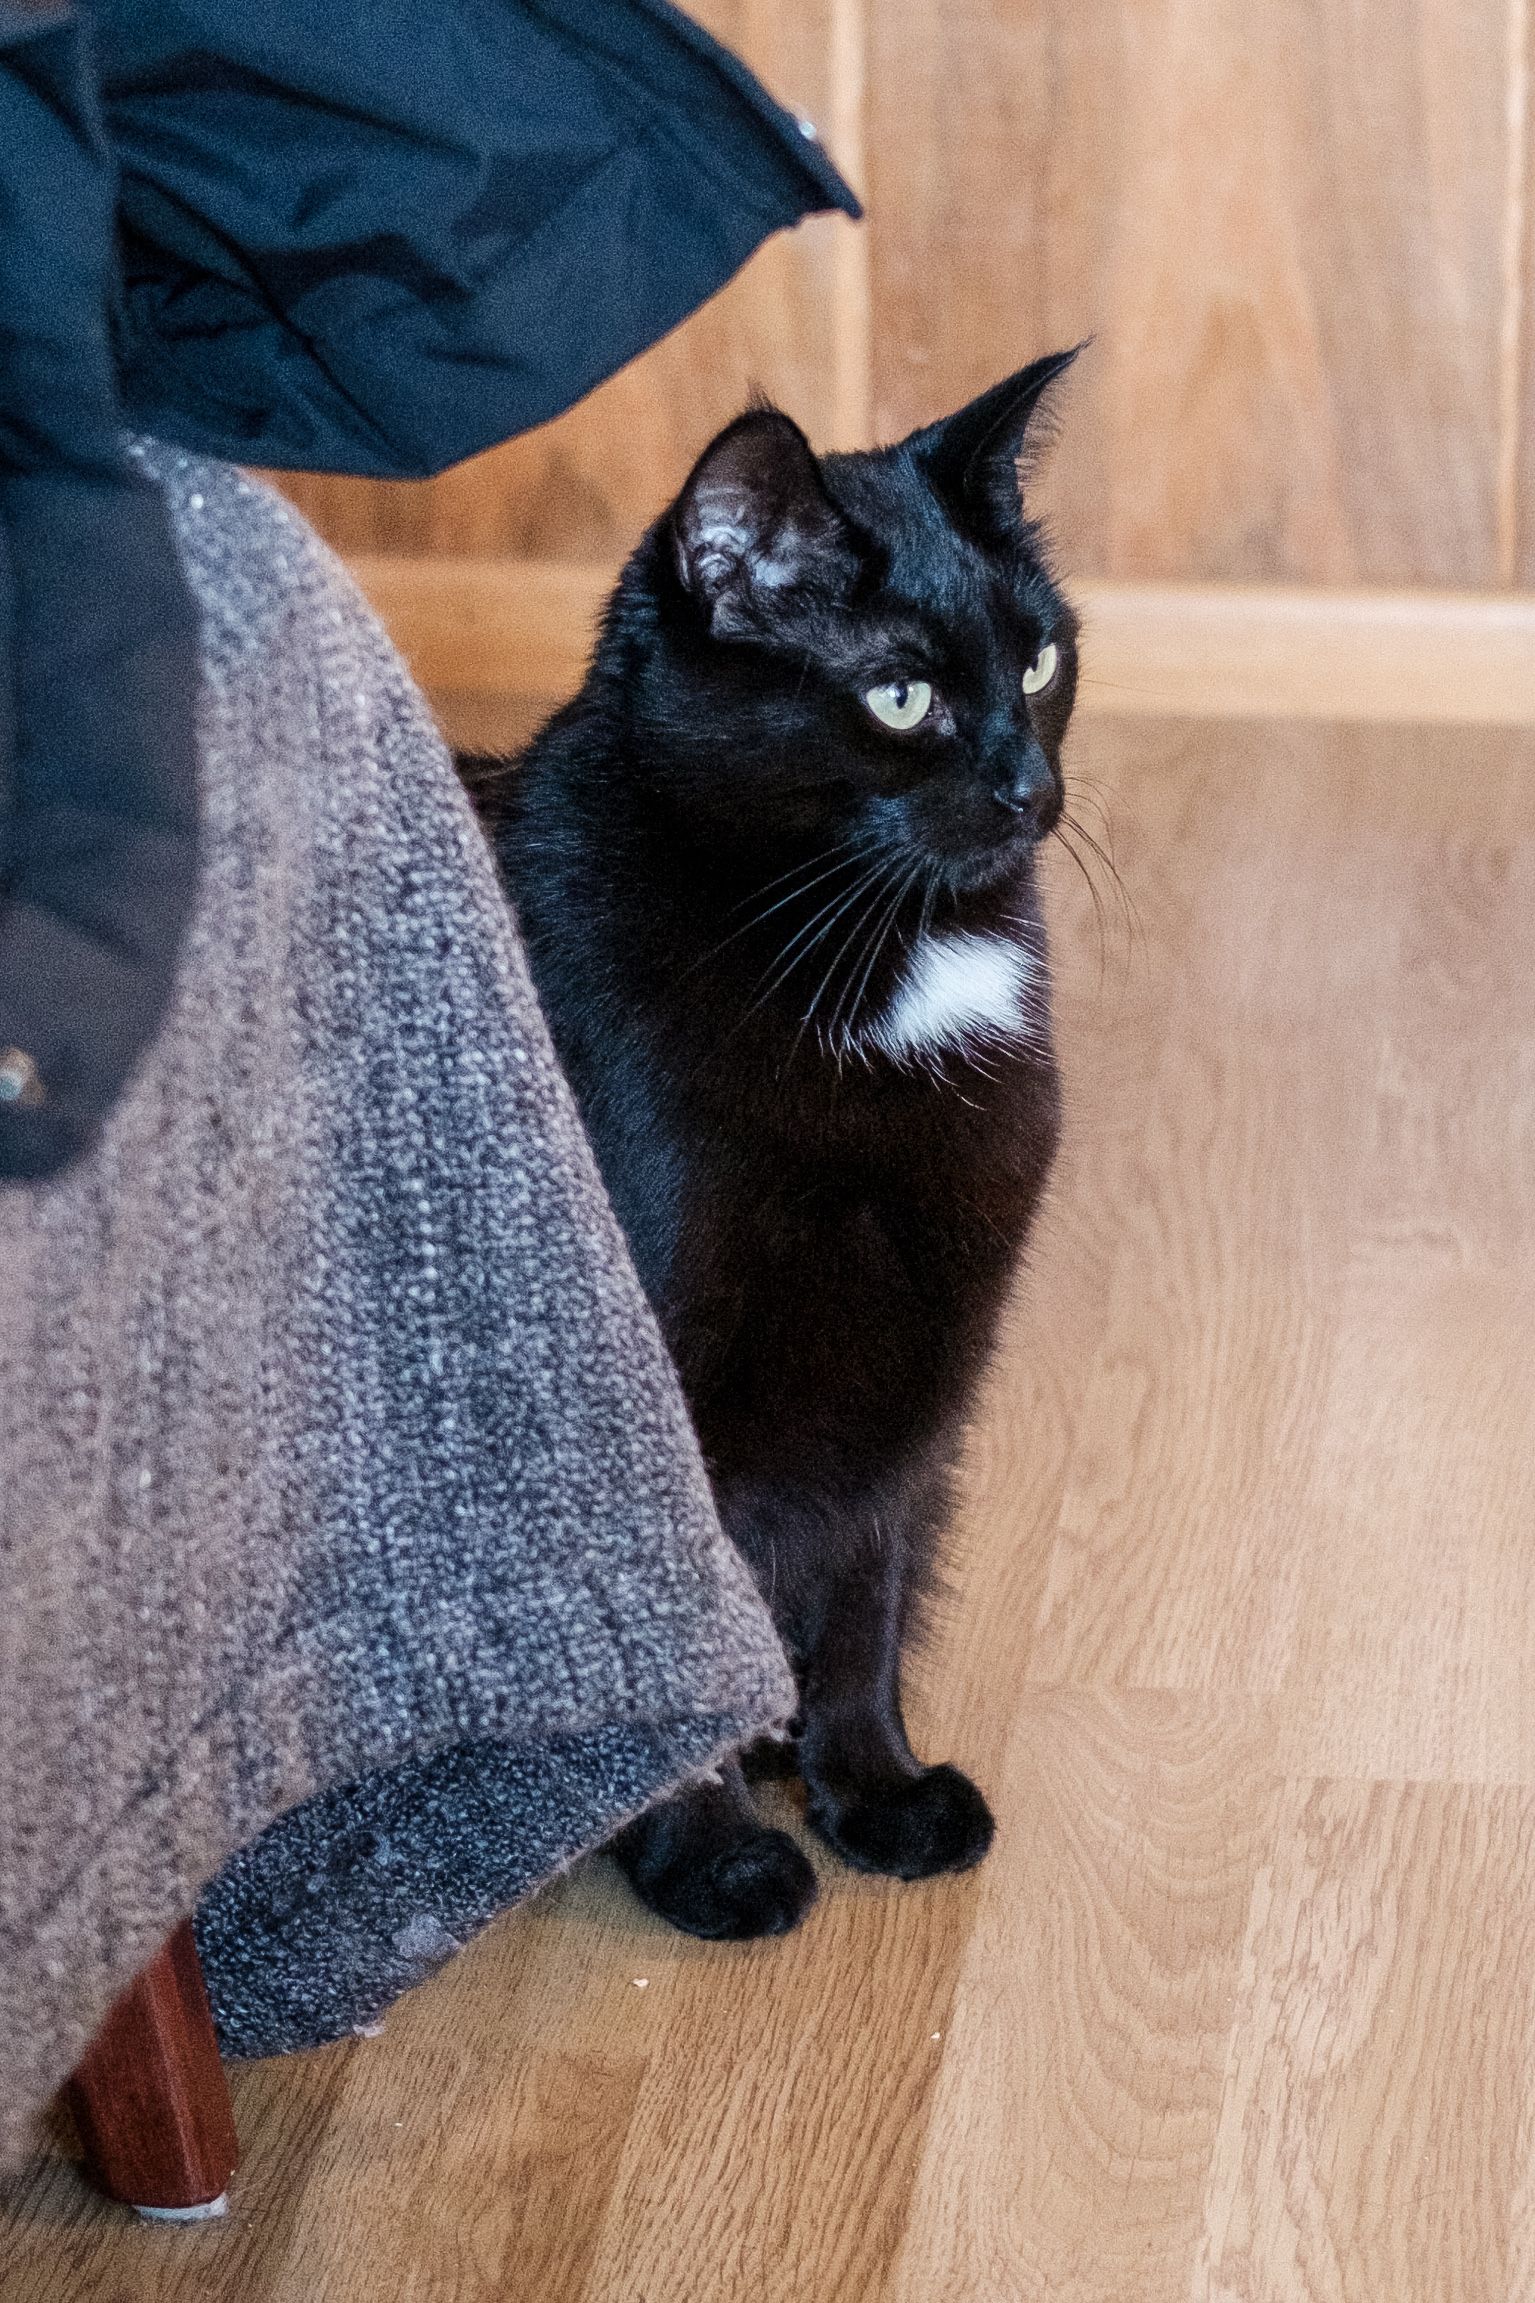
761, 1884
935, 1821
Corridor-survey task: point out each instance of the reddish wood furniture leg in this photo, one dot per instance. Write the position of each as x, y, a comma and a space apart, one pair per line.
149, 2094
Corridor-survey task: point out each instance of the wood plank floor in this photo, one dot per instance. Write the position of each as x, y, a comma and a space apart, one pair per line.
1242, 2008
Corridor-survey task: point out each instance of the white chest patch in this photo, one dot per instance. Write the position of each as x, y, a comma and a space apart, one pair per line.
958, 991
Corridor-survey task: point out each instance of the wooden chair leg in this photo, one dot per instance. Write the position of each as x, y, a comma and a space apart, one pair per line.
149, 2095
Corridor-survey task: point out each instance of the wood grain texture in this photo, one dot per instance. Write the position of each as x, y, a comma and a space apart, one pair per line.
1373, 2127
793, 324
492, 629
1071, 2137
1243, 1600
1280, 651
1284, 227
1299, 236
489, 627
149, 2096
1519, 307
1514, 294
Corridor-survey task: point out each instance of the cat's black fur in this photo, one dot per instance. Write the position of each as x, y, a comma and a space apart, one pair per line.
827, 1233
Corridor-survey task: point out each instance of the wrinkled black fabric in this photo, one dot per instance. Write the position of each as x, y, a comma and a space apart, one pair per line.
370, 238
436, 235
98, 818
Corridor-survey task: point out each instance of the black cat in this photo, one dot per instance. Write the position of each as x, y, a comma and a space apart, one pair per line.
775, 867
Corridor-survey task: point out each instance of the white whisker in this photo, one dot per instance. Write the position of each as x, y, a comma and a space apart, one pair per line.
788, 959
882, 883
806, 864
891, 914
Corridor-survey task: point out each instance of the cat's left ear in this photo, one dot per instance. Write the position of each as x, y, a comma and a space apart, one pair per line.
754, 524
972, 458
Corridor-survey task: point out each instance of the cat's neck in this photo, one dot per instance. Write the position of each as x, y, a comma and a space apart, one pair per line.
841, 948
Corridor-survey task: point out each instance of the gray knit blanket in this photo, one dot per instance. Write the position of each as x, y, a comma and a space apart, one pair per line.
344, 1479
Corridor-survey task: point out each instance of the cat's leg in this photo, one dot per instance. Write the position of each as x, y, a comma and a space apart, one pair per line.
705, 1861
871, 1798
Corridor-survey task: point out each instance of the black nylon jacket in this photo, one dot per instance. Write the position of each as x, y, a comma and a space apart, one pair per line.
365, 236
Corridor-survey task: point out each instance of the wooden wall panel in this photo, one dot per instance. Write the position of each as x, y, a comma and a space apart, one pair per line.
1517, 475
1297, 230
1286, 226
496, 640
792, 324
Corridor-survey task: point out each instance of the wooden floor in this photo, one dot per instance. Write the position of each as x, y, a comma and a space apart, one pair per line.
1242, 2007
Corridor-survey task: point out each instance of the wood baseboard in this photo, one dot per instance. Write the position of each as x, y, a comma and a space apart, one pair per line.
1249, 651
510, 629
488, 627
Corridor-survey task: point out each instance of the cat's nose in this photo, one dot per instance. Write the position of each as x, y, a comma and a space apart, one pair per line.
1028, 792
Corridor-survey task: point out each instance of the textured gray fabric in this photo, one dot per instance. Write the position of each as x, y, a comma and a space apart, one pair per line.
336, 1430
354, 1896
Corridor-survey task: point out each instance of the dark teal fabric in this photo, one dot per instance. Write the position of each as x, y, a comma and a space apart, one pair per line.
377, 238
342, 235
98, 818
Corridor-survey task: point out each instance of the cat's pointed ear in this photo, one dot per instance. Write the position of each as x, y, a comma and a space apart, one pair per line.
972, 458
754, 524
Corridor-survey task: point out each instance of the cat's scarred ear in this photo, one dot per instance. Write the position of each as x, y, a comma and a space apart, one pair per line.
972, 458
754, 525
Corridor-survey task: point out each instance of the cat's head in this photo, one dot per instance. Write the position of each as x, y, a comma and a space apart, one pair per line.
864, 644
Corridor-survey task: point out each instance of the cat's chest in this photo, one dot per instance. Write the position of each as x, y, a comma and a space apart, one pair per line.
959, 993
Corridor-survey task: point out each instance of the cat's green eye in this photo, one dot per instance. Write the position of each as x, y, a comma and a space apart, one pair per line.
900, 704
1043, 669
